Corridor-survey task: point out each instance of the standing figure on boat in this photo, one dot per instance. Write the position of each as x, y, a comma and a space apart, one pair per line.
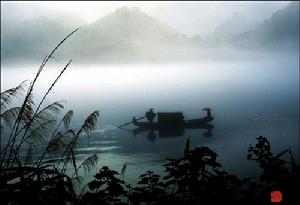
208, 112
150, 115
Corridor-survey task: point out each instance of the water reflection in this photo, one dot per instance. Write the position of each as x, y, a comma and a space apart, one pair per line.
152, 134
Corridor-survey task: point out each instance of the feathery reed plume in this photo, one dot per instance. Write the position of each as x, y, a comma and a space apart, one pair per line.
77, 180
9, 116
38, 107
27, 111
38, 133
90, 122
87, 127
89, 163
67, 118
57, 142
13, 135
8, 95
51, 110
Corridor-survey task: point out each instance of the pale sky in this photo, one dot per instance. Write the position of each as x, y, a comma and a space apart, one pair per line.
187, 17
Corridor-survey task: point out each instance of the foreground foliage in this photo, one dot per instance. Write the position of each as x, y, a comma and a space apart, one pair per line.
197, 178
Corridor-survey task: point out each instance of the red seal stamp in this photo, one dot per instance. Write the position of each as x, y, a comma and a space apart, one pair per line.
276, 196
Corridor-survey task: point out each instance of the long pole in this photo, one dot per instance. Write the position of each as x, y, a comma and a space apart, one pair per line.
130, 122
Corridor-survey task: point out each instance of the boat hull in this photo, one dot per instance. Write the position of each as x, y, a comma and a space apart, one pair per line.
189, 124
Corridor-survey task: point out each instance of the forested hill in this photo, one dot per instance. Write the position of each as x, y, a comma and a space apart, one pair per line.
281, 30
128, 34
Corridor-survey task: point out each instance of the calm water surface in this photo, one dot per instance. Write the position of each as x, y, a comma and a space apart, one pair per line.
248, 99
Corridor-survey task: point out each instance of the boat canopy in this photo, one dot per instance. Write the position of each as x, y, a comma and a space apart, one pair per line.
165, 118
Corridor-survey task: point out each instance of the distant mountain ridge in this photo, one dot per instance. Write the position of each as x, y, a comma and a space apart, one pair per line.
281, 30
128, 34
123, 33
130, 25
235, 25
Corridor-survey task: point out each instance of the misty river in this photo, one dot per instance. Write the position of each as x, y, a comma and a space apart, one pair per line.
248, 99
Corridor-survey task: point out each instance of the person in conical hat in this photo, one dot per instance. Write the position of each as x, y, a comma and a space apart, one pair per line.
150, 115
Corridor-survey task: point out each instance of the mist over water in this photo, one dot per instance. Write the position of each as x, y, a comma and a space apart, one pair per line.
248, 98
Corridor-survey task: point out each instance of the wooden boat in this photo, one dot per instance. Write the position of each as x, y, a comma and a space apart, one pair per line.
175, 120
